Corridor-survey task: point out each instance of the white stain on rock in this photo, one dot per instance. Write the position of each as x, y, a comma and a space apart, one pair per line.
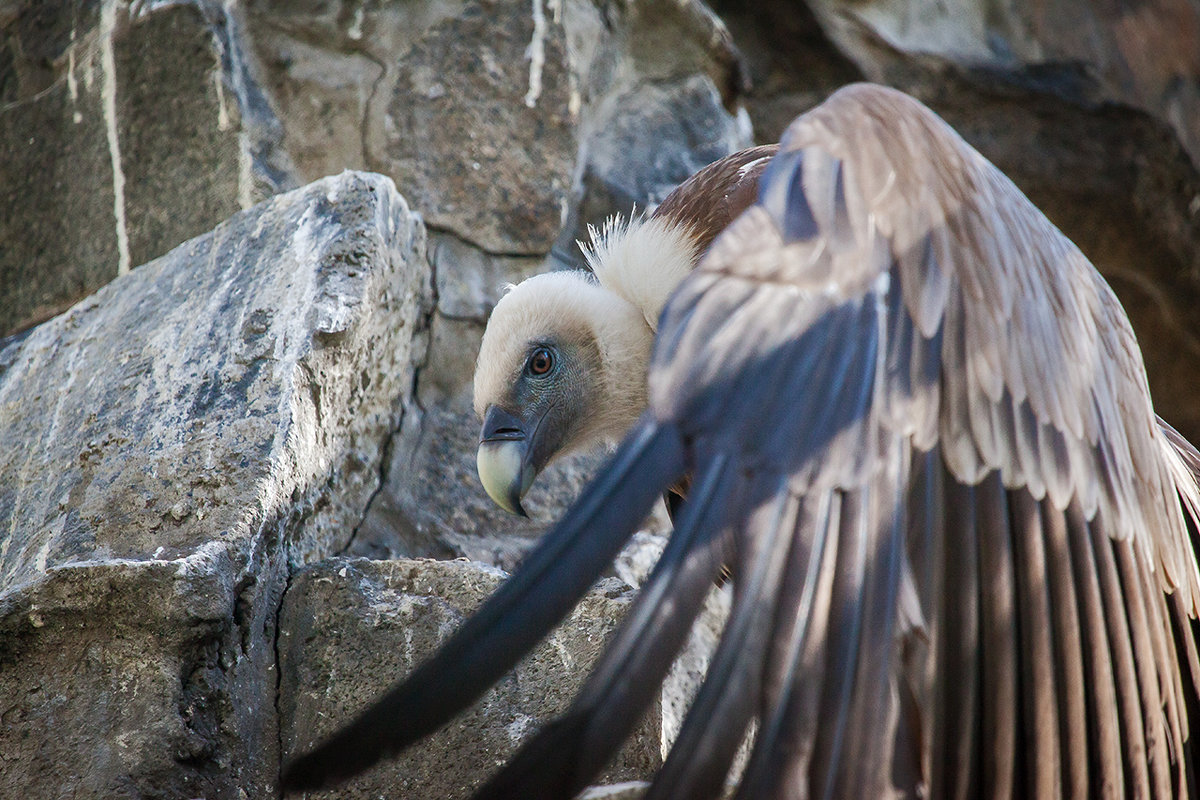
536, 53
72, 83
108, 94
517, 729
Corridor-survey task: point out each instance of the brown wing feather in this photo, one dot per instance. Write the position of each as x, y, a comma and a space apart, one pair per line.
715, 196
983, 337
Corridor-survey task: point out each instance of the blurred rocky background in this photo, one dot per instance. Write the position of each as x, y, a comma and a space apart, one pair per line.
234, 370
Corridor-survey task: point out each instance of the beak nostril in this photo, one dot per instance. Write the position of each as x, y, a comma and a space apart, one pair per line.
501, 426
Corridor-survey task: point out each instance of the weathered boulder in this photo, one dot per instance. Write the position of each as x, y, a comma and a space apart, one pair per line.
486, 112
1146, 58
124, 130
171, 447
349, 628
463, 98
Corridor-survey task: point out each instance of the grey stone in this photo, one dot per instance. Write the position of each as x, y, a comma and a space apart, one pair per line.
647, 139
172, 446
471, 281
126, 679
329, 68
320, 91
44, 265
464, 104
252, 357
465, 94
481, 110
350, 628
628, 790
1080, 51
791, 64
651, 115
124, 131
613, 46
453, 351
679, 127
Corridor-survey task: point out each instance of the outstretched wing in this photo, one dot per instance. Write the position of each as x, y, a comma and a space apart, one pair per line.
921, 435
957, 404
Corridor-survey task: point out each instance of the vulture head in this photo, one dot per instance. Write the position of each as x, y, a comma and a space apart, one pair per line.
562, 365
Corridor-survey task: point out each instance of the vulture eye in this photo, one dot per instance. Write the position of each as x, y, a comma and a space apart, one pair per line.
540, 361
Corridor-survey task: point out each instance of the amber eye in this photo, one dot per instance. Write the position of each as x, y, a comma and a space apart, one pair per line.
540, 361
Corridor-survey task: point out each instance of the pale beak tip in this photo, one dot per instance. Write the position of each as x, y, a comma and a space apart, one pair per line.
504, 475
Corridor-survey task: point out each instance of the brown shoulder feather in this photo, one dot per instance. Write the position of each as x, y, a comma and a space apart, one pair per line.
731, 181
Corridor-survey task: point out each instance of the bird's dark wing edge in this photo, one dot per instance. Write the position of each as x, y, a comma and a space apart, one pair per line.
944, 585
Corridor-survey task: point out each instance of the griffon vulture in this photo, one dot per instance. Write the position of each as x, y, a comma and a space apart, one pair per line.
962, 543
563, 361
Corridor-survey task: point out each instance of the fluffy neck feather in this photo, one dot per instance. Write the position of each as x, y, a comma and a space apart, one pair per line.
625, 343
642, 260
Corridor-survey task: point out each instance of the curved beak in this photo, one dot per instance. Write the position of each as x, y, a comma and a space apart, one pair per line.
504, 459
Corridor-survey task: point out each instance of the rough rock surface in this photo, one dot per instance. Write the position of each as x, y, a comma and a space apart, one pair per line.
485, 112
123, 132
462, 97
211, 418
1146, 57
351, 627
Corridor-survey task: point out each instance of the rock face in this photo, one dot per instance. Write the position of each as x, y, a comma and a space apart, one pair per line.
458, 157
487, 112
194, 448
123, 132
1148, 58
242, 368
350, 627
212, 417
